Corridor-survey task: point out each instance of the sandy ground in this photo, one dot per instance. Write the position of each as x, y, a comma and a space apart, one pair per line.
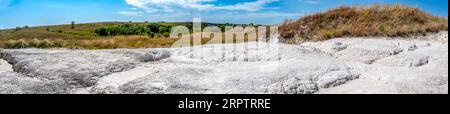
342, 65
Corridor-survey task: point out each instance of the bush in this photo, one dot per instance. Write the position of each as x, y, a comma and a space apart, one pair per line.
152, 35
34, 43
126, 29
102, 31
11, 44
47, 44
129, 29
153, 27
166, 34
163, 30
55, 43
17, 28
16, 44
72, 25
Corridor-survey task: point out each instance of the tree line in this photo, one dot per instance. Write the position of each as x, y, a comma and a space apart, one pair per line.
150, 29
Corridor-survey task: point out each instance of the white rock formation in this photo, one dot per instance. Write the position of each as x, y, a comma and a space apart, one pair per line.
342, 65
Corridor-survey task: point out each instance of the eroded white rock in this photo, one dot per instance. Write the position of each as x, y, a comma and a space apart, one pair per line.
342, 65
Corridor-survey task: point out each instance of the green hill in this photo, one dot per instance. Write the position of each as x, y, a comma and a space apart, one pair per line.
86, 35
79, 31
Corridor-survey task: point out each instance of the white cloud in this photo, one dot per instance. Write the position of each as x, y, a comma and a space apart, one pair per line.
247, 6
255, 15
262, 17
311, 1
153, 6
272, 15
130, 13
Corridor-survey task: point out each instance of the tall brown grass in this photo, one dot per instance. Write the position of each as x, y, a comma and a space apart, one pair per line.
357, 21
130, 42
33, 43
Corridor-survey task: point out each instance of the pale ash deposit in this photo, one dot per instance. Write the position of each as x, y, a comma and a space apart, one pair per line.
342, 65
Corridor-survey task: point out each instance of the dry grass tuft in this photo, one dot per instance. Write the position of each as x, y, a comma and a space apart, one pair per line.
130, 42
375, 20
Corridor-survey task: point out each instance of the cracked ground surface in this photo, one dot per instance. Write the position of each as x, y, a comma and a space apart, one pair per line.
342, 65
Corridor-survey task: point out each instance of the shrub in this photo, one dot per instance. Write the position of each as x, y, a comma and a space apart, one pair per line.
102, 31
152, 35
126, 29
35, 43
163, 29
166, 34
55, 43
72, 25
153, 27
17, 28
47, 44
11, 44
129, 29
17, 44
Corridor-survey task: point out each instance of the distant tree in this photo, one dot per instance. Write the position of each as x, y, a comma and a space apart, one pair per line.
157, 36
102, 31
190, 27
166, 34
222, 27
163, 29
47, 29
25, 27
153, 27
18, 29
73, 25
152, 35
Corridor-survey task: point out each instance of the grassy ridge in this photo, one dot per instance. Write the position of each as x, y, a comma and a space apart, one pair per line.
375, 20
129, 42
84, 36
80, 31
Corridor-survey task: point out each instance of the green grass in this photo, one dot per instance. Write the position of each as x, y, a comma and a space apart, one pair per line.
84, 36
81, 31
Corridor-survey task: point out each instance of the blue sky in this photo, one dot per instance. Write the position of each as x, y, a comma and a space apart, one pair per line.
15, 13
